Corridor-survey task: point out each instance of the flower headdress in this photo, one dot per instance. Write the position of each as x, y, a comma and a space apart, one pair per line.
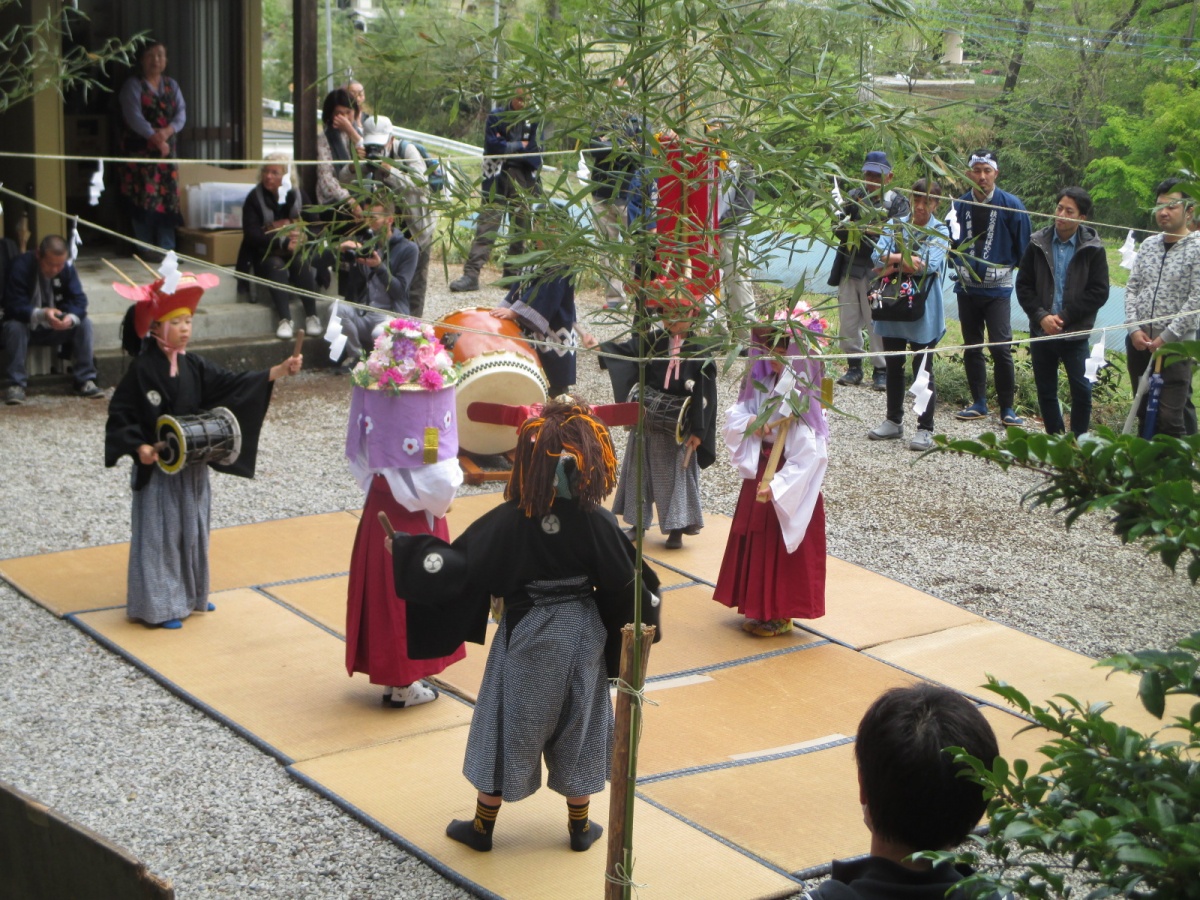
407, 356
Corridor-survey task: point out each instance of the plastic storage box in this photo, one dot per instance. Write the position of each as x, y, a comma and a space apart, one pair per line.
215, 204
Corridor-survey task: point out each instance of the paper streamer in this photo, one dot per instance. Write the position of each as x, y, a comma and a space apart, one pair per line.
96, 187
1128, 252
334, 335
952, 223
76, 243
920, 386
169, 270
1096, 361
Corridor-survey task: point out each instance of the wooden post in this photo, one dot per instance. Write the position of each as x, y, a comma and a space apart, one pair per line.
624, 762
305, 99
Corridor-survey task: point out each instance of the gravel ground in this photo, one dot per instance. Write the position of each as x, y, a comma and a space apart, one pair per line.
90, 735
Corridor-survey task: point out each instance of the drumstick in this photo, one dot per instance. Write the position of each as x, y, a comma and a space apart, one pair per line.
687, 456
299, 344
386, 523
119, 272
146, 264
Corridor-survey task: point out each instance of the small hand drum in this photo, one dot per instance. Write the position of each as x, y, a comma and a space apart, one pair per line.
211, 437
665, 413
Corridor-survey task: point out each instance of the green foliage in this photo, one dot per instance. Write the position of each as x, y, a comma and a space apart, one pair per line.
32, 57
1148, 488
1134, 146
1112, 811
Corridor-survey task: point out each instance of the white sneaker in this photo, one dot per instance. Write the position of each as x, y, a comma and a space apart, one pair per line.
922, 441
414, 695
284, 331
885, 431
312, 327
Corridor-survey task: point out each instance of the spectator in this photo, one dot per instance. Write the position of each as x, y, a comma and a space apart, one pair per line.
409, 183
913, 796
1061, 285
372, 282
926, 257
509, 183
1165, 286
269, 245
613, 161
869, 208
338, 145
44, 304
154, 113
994, 233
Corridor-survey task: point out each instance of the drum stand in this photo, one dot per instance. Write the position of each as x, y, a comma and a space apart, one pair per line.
480, 469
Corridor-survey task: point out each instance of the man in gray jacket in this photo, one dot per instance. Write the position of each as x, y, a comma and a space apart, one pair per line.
1061, 285
1162, 301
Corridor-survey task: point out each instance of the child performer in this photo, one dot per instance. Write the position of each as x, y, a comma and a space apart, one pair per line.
545, 309
671, 470
774, 563
566, 574
168, 551
386, 442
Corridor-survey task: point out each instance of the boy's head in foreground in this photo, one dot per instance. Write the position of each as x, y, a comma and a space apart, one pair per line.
913, 794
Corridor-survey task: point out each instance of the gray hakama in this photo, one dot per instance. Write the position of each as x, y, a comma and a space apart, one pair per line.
168, 552
544, 691
674, 490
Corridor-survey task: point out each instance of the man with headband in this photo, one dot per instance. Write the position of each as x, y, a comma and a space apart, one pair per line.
993, 233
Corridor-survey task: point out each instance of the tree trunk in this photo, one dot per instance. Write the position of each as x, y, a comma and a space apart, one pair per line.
1015, 62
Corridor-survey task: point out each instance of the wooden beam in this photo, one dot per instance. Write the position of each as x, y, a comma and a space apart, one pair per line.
304, 95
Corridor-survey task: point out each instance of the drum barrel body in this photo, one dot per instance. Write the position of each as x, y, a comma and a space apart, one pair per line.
210, 437
498, 366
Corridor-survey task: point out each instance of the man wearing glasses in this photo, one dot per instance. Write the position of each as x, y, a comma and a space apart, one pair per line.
1162, 300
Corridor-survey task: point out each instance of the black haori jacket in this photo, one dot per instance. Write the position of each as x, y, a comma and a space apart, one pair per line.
1084, 293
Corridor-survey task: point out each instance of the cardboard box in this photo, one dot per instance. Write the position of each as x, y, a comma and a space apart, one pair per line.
217, 247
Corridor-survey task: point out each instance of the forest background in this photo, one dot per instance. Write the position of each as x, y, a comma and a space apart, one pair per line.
1100, 93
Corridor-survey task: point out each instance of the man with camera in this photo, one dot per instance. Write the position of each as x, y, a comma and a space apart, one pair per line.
401, 167
382, 262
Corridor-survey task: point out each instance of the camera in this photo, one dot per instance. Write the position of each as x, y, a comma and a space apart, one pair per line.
365, 240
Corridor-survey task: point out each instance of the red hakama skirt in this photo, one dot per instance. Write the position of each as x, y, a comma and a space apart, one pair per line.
758, 576
376, 631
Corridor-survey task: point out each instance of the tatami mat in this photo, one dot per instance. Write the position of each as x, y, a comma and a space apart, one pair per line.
801, 810
755, 707
797, 812
321, 599
246, 555
72, 580
746, 738
700, 555
963, 657
699, 632
415, 788
277, 676
863, 609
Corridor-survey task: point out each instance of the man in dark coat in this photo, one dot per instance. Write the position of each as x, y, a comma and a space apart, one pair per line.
44, 304
1062, 283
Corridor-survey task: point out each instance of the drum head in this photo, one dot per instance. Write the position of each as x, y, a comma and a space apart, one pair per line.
172, 450
496, 378
233, 438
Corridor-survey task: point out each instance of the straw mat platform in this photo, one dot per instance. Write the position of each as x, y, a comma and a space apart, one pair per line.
746, 770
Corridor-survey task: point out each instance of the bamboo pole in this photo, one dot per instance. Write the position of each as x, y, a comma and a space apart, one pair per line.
118, 271
634, 656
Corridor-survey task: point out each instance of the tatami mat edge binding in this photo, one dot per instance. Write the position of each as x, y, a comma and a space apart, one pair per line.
178, 691
743, 660
452, 875
740, 763
264, 590
737, 848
